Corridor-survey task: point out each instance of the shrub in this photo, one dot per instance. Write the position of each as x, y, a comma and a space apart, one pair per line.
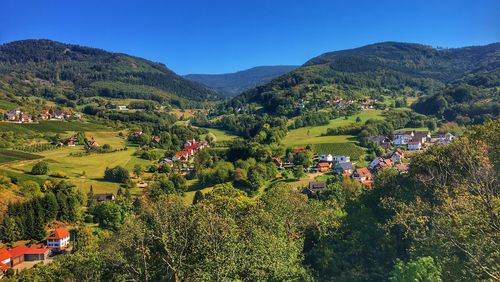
40, 168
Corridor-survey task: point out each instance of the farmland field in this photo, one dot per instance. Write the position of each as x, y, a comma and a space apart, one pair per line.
348, 149
9, 156
52, 126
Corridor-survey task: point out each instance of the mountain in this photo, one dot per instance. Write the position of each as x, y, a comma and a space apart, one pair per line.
388, 68
232, 84
61, 71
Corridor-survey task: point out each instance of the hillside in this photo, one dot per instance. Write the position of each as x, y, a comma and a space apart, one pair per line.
64, 72
232, 84
388, 68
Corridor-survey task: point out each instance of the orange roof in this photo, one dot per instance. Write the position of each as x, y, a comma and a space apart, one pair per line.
3, 266
363, 172
323, 164
4, 254
22, 250
59, 233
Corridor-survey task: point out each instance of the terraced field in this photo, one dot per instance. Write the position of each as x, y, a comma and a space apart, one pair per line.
52, 126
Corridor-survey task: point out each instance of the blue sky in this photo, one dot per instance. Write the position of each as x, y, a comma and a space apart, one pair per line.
217, 36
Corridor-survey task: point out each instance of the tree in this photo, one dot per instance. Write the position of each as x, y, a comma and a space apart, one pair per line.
138, 170
116, 174
30, 188
299, 172
109, 215
198, 196
422, 269
9, 230
40, 168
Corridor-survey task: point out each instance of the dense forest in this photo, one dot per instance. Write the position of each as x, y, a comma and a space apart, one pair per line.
72, 72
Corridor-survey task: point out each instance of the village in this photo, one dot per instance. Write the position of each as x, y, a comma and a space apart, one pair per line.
18, 116
403, 142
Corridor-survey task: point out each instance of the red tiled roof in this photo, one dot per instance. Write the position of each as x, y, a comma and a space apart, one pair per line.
59, 233
414, 143
21, 250
323, 164
4, 254
299, 150
363, 172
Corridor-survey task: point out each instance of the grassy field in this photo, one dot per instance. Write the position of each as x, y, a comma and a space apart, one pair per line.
52, 126
222, 135
312, 134
10, 156
6, 105
348, 149
86, 170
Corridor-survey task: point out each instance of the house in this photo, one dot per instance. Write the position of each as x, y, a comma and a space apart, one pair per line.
278, 162
325, 158
414, 145
403, 137
342, 159
4, 260
444, 138
122, 108
397, 156
385, 164
182, 156
165, 162
12, 115
72, 141
422, 136
324, 166
344, 168
378, 139
315, 187
58, 239
156, 139
298, 150
104, 197
362, 174
93, 143
373, 164
21, 254
401, 168
58, 115
137, 133
25, 118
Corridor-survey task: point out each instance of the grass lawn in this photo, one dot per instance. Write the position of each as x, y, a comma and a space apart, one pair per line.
10, 156
222, 135
312, 134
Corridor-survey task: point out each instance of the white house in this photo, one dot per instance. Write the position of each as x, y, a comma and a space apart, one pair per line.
58, 239
414, 145
122, 108
342, 159
325, 158
402, 138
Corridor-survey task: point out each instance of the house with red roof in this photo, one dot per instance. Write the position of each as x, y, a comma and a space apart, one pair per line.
58, 239
324, 166
21, 254
414, 145
298, 150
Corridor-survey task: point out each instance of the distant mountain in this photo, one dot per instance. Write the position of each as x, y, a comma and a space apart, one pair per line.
66, 72
232, 84
388, 68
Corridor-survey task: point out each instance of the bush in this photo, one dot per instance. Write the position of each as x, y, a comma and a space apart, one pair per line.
40, 168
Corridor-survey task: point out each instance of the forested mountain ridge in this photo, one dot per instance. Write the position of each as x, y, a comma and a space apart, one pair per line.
384, 68
232, 84
72, 71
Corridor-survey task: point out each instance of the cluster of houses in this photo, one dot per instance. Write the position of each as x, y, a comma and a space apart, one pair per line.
191, 147
412, 140
18, 116
57, 241
73, 141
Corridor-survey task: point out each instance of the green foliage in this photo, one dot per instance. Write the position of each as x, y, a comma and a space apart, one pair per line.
422, 270
40, 168
340, 149
116, 174
109, 215
10, 156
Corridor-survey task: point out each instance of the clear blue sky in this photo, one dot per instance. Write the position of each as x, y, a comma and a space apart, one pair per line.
216, 36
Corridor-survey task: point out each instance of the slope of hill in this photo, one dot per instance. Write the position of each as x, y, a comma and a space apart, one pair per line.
232, 84
385, 68
57, 70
